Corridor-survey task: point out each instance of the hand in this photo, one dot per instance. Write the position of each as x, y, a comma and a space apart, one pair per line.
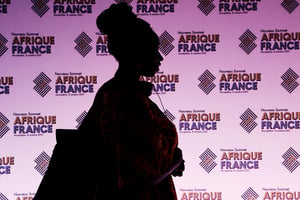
179, 170
177, 158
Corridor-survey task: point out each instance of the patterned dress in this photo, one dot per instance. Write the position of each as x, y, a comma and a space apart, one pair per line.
134, 143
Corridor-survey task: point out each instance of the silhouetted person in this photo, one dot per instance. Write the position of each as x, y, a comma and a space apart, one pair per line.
130, 146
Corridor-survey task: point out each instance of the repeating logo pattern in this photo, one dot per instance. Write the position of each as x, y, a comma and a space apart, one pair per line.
40, 7
3, 48
42, 163
206, 82
247, 41
250, 194
80, 118
2, 197
206, 6
289, 80
83, 42
166, 45
3, 125
248, 120
290, 159
290, 5
42, 84
208, 162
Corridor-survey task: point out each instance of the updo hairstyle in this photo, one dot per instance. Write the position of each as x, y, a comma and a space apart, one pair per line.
130, 39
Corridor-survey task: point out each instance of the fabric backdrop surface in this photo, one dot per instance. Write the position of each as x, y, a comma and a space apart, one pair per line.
229, 82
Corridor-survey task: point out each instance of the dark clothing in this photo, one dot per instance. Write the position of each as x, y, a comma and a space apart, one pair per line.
123, 146
135, 142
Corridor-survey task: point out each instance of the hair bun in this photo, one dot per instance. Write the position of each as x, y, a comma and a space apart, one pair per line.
115, 19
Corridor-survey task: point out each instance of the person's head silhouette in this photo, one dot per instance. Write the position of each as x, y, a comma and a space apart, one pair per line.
131, 40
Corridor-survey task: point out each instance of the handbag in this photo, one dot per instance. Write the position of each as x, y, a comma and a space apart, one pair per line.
64, 177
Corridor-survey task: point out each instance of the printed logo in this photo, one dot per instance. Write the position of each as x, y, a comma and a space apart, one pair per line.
169, 115
74, 84
198, 121
33, 124
83, 42
289, 5
166, 45
206, 6
101, 45
24, 196
2, 197
3, 42
42, 84
290, 159
3, 6
279, 120
31, 44
3, 125
146, 7
279, 41
42, 163
239, 160
73, 8
250, 194
234, 7
247, 41
208, 160
280, 193
40, 7
5, 83
248, 120
199, 194
238, 81
290, 80
197, 42
206, 82
5, 164
126, 1
163, 83
80, 118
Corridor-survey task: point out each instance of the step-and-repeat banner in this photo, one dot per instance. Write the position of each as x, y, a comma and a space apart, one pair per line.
229, 82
